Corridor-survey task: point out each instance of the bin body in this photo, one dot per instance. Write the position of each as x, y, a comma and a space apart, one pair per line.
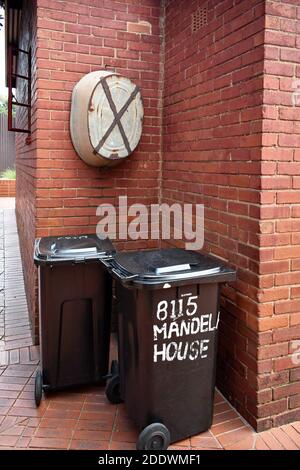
74, 306
167, 347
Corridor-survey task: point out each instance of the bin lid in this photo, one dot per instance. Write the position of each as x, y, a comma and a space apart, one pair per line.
73, 248
170, 264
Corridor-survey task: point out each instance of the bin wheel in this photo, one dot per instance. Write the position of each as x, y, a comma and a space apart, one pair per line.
38, 389
156, 436
112, 390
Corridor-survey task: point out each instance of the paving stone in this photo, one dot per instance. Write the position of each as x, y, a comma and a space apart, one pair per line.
77, 444
49, 443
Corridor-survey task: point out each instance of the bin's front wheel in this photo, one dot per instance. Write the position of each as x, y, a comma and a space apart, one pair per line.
113, 390
156, 436
38, 389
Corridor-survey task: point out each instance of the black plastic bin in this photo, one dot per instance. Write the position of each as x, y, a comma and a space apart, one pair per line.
74, 302
168, 316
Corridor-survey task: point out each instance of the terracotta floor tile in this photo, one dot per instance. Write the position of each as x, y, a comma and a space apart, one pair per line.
245, 444
226, 416
49, 443
292, 433
184, 442
34, 422
4, 410
205, 443
286, 442
271, 441
124, 426
19, 371
177, 447
60, 432
10, 386
8, 422
65, 405
260, 444
9, 394
29, 431
13, 431
235, 436
78, 444
23, 442
218, 397
99, 407
227, 426
203, 434
57, 422
62, 397
62, 414
296, 426
90, 425
29, 412
9, 441
122, 445
26, 395
221, 407
124, 436
92, 435
25, 403
96, 415
95, 399
13, 380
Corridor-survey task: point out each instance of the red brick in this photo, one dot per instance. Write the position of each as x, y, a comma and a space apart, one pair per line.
284, 363
272, 322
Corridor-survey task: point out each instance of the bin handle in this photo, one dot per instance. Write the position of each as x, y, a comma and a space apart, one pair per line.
170, 269
123, 278
106, 263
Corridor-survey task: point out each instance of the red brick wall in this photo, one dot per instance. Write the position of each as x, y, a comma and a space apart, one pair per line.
280, 219
73, 39
7, 188
26, 165
212, 155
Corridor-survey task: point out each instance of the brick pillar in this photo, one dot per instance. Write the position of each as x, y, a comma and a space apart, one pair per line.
279, 379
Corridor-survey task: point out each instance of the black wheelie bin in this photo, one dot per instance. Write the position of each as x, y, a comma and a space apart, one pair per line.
75, 294
168, 317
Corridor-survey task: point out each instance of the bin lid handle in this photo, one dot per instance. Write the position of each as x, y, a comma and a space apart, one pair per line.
171, 269
74, 251
124, 277
186, 267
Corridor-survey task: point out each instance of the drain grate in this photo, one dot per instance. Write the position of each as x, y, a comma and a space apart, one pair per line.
199, 19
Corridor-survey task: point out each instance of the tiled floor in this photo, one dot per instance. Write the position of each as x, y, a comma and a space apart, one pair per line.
82, 418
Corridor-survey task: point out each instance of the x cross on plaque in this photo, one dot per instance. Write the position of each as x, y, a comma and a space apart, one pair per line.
117, 116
